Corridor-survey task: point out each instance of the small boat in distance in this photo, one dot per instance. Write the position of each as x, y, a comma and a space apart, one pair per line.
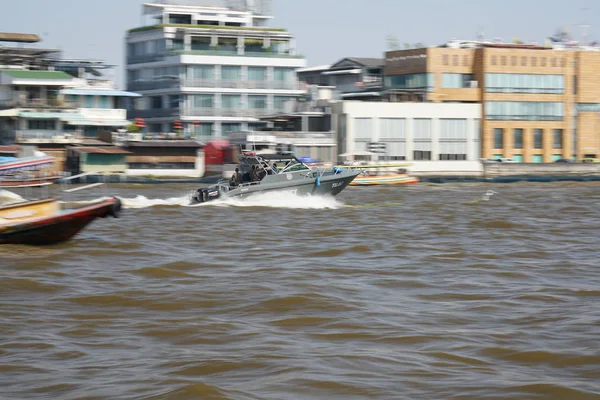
277, 172
383, 175
46, 221
26, 172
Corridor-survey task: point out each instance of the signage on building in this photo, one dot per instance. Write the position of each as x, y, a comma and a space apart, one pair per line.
376, 147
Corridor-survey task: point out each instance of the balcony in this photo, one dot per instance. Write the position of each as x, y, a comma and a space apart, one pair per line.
145, 58
241, 84
227, 112
38, 104
154, 84
47, 136
156, 113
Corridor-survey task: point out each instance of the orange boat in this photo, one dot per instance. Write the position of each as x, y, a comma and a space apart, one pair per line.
43, 222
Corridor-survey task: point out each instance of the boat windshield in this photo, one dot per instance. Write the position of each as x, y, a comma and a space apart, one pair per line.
295, 165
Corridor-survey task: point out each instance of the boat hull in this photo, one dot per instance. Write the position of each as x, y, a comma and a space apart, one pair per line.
330, 185
399, 179
22, 183
53, 228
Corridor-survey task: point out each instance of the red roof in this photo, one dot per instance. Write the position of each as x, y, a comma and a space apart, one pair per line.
10, 149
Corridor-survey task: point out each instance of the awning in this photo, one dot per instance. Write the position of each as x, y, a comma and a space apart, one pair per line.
98, 122
41, 115
9, 113
99, 92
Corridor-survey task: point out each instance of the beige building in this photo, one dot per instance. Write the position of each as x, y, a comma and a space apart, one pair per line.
539, 103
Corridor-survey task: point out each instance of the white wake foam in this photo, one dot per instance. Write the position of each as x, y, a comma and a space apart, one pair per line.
8, 197
273, 200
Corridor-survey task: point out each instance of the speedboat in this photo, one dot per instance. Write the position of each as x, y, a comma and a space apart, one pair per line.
47, 221
276, 172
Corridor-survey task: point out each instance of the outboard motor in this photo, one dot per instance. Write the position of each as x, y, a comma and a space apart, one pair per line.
205, 194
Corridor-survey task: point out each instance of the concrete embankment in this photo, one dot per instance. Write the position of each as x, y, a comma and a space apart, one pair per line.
522, 172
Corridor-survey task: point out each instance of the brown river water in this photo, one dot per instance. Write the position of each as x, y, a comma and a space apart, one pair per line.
420, 292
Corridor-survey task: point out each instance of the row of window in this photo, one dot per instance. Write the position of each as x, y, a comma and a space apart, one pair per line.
538, 138
525, 61
536, 158
458, 81
524, 83
212, 72
395, 128
524, 111
229, 101
410, 81
158, 47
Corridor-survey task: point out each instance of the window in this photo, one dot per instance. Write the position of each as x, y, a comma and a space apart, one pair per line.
454, 81
174, 101
543, 61
524, 83
574, 84
455, 60
518, 138
453, 139
202, 100
513, 61
410, 81
523, 61
257, 73
282, 74
533, 61
553, 61
279, 102
230, 73
229, 128
465, 60
392, 129
563, 62
446, 59
257, 102
524, 111
231, 101
420, 155
557, 138
363, 129
538, 158
493, 60
201, 72
538, 138
503, 60
203, 130
41, 124
556, 157
498, 138
156, 102
518, 157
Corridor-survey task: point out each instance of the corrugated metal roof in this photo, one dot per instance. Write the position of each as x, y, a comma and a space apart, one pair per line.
49, 115
99, 92
9, 149
19, 37
26, 74
100, 150
164, 143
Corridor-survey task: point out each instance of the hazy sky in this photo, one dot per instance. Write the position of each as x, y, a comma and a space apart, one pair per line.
325, 30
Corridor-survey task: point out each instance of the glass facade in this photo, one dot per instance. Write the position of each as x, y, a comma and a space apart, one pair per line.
524, 83
202, 100
456, 81
524, 111
231, 73
257, 102
257, 73
231, 101
410, 81
201, 72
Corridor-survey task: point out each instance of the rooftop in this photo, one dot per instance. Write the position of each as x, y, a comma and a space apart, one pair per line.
27, 74
19, 37
100, 150
211, 27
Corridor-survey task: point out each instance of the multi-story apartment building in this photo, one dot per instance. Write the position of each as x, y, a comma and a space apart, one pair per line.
214, 69
539, 103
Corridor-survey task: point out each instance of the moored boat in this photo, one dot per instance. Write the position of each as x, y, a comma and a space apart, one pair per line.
47, 221
277, 172
26, 172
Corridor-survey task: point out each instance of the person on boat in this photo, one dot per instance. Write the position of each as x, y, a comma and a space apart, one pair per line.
236, 178
274, 168
254, 174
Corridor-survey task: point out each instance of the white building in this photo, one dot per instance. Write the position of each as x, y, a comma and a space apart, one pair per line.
214, 69
43, 105
433, 137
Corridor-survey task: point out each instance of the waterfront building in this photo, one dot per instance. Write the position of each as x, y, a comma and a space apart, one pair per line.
54, 102
539, 103
354, 78
215, 70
